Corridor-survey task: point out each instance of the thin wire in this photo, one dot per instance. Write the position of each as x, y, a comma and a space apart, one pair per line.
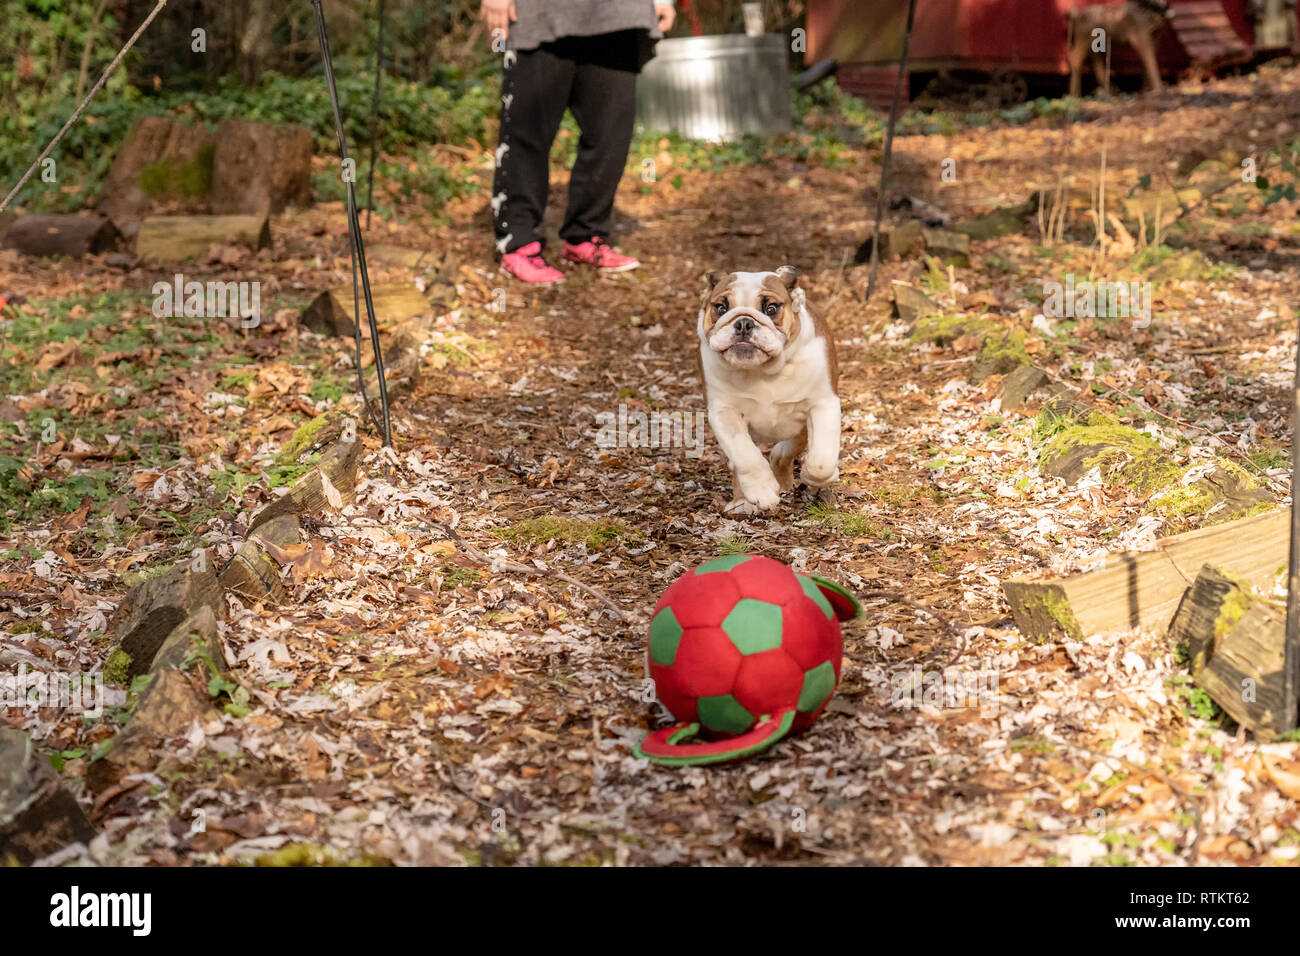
889, 146
84, 103
358, 245
374, 113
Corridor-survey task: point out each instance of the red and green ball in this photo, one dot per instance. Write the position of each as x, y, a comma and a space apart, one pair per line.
743, 650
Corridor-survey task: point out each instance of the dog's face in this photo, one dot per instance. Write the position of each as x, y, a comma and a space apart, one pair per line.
748, 318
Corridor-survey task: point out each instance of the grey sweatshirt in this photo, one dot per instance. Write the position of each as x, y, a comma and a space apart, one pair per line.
541, 21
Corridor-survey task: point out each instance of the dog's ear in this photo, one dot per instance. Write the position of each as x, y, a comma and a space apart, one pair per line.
714, 277
789, 275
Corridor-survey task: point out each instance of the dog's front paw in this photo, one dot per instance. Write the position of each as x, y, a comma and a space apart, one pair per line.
762, 491
819, 474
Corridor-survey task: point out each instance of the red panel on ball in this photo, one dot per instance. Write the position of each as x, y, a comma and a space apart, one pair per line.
766, 580
768, 682
706, 662
701, 601
810, 636
680, 704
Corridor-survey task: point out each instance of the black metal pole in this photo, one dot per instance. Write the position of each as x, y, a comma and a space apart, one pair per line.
1291, 653
889, 146
354, 231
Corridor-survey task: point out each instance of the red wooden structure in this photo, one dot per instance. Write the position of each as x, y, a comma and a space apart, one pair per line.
1021, 36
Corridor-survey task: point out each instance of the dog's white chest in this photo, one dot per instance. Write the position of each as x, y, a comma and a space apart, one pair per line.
776, 407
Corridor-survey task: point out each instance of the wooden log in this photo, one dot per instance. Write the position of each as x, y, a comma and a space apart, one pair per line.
911, 303
169, 704
319, 433
338, 463
905, 240
75, 236
1235, 640
253, 575
153, 608
1025, 382
37, 815
197, 633
173, 238
999, 222
948, 246
387, 254
331, 312
1142, 589
260, 168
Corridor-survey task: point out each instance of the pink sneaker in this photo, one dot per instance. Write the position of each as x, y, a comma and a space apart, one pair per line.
597, 253
527, 265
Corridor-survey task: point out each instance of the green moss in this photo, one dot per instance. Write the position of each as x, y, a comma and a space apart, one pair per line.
169, 178
1125, 455
1236, 603
117, 666
1001, 354
318, 432
1183, 501
311, 854
1050, 606
596, 535
137, 577
944, 329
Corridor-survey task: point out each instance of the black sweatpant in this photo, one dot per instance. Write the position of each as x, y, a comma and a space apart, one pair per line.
595, 77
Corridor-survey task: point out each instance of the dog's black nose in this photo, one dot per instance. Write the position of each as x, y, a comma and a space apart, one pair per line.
744, 326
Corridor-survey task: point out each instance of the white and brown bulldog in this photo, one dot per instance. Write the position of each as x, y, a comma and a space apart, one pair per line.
770, 377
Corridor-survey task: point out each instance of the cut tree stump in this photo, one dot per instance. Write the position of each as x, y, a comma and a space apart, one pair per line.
37, 816
1235, 640
160, 159
253, 575
153, 608
1141, 589
331, 313
174, 238
75, 236
338, 464
260, 168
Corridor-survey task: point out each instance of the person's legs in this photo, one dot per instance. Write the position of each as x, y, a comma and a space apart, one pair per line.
535, 90
603, 101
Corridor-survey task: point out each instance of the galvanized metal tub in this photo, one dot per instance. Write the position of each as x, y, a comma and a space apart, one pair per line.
717, 87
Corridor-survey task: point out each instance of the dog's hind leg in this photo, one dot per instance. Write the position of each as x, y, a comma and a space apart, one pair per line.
782, 458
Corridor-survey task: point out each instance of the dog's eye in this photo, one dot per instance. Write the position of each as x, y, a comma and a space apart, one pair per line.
720, 308
771, 309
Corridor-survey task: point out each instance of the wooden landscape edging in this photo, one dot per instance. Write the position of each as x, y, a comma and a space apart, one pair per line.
1235, 640
1142, 589
168, 625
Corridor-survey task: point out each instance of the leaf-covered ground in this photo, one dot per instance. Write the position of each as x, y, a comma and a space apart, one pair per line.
409, 704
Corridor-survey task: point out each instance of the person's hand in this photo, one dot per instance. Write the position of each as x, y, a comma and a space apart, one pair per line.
497, 15
667, 14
